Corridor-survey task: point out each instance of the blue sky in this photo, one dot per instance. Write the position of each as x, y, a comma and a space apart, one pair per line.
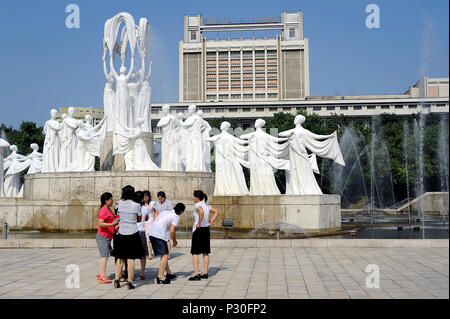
45, 65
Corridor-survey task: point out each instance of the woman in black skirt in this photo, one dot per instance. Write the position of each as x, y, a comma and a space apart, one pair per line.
128, 245
200, 236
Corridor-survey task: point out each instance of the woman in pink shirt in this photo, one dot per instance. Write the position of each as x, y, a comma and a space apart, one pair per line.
106, 223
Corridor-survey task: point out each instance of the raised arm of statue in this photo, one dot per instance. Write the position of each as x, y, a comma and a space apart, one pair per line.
99, 125
318, 136
113, 71
131, 69
105, 69
286, 133
247, 136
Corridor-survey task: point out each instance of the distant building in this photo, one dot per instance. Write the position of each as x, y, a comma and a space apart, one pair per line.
273, 67
428, 95
82, 111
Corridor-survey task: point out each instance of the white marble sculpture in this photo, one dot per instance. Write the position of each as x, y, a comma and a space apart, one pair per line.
195, 159
109, 95
300, 178
131, 98
3, 144
129, 142
206, 129
230, 154
52, 144
14, 165
265, 156
69, 141
169, 143
90, 141
36, 160
181, 138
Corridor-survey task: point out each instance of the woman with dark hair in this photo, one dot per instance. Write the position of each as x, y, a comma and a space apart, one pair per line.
141, 229
128, 241
148, 223
200, 236
105, 233
162, 230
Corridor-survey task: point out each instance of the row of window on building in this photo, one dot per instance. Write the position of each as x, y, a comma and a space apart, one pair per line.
314, 108
240, 96
238, 53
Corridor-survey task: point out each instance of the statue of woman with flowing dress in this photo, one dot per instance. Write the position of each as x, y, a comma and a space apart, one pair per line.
123, 102
36, 160
206, 128
69, 141
169, 143
265, 156
52, 144
14, 164
129, 142
181, 138
109, 96
90, 141
195, 159
3, 144
231, 153
300, 178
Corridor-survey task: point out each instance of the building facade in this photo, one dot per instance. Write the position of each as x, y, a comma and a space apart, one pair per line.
273, 67
82, 111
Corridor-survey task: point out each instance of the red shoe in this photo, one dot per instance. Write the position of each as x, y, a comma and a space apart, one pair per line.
150, 257
98, 276
104, 280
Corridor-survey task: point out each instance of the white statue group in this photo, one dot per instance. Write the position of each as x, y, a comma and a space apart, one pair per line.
14, 164
72, 145
187, 146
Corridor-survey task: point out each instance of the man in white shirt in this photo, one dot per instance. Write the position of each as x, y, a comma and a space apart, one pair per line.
165, 224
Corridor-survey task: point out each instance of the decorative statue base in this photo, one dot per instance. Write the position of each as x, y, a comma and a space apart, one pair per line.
313, 213
116, 163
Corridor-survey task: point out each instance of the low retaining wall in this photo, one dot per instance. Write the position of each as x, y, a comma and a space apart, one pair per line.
246, 243
313, 213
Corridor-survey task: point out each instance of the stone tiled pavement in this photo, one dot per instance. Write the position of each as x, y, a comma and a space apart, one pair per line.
237, 273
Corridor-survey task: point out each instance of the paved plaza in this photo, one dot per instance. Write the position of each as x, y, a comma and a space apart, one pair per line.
241, 273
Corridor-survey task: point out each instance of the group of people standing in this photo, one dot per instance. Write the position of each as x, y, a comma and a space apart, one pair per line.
139, 228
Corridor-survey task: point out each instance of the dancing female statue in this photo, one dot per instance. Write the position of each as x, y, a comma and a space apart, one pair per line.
169, 144
14, 164
109, 96
90, 141
265, 155
123, 102
195, 159
181, 138
52, 146
129, 142
300, 179
69, 141
3, 144
206, 128
230, 155
36, 160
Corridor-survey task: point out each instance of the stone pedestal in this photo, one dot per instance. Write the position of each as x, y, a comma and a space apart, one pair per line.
116, 163
313, 213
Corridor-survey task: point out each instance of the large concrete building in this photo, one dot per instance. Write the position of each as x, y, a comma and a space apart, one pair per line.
82, 111
273, 66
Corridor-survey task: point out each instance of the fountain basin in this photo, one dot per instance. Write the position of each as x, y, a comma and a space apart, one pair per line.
70, 201
313, 213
